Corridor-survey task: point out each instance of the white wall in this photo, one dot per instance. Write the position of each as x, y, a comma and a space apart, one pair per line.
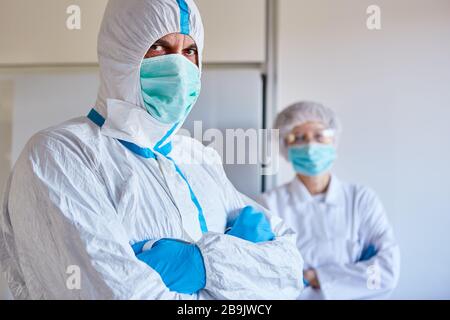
234, 31
45, 97
391, 89
44, 38
6, 97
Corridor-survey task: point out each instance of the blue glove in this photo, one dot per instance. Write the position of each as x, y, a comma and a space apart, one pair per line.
305, 283
137, 247
368, 253
252, 225
180, 264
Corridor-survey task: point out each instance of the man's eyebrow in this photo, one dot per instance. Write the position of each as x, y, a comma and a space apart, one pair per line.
192, 46
161, 42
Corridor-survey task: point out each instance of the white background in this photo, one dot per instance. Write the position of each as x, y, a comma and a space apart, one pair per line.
391, 89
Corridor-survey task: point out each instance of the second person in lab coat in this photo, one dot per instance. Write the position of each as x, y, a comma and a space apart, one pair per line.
344, 236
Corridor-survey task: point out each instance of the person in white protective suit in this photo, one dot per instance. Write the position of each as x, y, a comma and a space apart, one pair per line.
92, 204
347, 244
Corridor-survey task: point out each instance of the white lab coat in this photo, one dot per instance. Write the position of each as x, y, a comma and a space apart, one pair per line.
332, 234
78, 197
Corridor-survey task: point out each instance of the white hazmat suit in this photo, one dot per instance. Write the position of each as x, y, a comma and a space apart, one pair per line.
82, 192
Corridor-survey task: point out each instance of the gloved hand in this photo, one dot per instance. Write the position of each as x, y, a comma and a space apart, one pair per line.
306, 283
310, 279
180, 264
252, 225
368, 253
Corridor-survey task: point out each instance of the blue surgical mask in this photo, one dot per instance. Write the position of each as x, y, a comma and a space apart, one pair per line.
312, 159
170, 87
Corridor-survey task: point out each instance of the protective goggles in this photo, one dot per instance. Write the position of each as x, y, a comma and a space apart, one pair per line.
319, 136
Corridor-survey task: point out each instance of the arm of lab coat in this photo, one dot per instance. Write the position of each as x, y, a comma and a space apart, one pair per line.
65, 226
371, 279
239, 269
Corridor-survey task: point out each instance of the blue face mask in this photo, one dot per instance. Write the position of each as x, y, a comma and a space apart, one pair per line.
312, 159
170, 87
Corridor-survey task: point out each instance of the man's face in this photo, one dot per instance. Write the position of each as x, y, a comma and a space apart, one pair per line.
174, 43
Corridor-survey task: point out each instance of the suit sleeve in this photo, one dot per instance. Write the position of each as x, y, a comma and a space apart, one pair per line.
372, 279
68, 238
238, 269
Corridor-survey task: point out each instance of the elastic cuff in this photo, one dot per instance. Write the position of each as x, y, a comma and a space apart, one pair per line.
149, 244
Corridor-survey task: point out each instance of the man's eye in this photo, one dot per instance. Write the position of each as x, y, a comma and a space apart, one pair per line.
156, 47
190, 52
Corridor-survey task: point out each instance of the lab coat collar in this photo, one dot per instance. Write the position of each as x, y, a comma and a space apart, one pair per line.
299, 191
334, 195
